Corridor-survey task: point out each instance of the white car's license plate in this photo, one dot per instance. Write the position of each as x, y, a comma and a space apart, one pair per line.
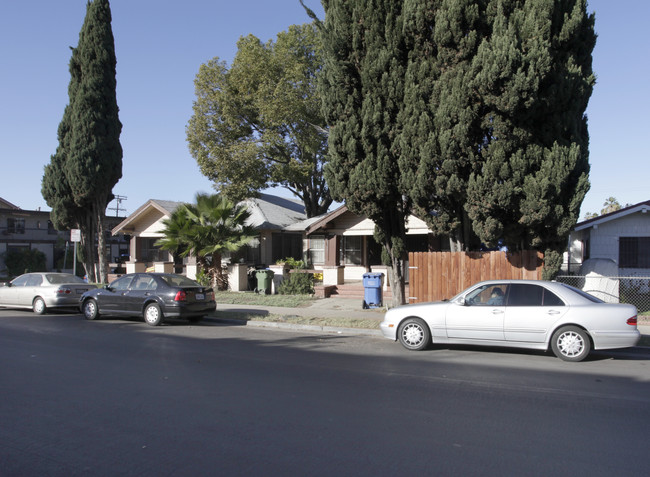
200, 296
81, 290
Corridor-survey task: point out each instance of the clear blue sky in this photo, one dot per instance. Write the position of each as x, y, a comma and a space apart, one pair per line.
160, 46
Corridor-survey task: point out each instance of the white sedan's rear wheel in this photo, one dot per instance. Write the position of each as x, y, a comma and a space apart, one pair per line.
39, 306
571, 343
414, 334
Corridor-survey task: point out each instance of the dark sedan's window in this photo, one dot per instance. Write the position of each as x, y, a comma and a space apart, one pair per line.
144, 282
121, 283
532, 295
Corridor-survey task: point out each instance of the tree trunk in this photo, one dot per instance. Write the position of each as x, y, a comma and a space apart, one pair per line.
396, 281
99, 214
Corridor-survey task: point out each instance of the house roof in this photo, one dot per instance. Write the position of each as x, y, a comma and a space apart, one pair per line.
642, 207
271, 212
165, 207
268, 212
5, 204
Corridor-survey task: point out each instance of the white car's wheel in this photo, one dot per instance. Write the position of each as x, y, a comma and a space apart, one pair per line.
571, 343
39, 306
414, 334
153, 315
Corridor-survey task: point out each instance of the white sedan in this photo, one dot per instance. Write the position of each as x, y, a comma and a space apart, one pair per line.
40, 291
519, 314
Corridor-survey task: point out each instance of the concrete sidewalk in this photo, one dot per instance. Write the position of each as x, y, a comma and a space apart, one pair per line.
343, 308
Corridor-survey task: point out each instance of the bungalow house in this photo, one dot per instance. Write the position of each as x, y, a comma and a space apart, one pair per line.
622, 237
342, 244
270, 215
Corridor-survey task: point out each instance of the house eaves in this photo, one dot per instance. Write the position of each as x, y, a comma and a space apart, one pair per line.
165, 207
642, 207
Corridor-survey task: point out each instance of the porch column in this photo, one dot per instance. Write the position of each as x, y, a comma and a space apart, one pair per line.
333, 272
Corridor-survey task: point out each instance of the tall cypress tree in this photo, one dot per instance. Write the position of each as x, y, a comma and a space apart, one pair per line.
89, 153
441, 117
363, 90
534, 77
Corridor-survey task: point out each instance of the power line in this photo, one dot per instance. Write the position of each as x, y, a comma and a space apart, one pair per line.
118, 201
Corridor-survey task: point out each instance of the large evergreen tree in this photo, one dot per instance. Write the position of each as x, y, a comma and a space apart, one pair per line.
363, 92
441, 119
258, 123
79, 181
534, 77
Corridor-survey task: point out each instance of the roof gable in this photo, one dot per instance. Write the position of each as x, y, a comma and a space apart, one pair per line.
642, 207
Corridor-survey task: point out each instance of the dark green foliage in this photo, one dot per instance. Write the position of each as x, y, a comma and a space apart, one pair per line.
23, 261
470, 113
79, 180
363, 92
298, 283
534, 77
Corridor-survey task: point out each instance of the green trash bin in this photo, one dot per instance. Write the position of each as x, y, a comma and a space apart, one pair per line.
264, 281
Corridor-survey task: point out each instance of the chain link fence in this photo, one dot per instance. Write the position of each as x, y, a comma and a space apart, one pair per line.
634, 290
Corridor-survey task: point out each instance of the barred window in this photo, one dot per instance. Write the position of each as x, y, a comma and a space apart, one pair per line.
15, 226
634, 252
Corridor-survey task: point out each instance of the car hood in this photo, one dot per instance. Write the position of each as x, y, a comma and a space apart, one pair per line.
418, 309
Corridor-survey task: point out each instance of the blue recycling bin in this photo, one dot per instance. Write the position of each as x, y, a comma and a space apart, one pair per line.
372, 286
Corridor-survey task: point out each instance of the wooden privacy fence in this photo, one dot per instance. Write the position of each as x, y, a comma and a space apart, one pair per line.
436, 276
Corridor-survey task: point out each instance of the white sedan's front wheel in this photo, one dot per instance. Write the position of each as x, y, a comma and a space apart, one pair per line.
571, 343
414, 334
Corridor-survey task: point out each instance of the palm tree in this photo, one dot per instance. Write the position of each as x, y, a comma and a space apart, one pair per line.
206, 230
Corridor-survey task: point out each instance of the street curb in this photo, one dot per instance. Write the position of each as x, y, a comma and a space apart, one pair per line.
293, 326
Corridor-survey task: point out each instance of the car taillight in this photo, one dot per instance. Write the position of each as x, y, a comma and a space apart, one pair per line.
180, 296
632, 321
63, 291
210, 296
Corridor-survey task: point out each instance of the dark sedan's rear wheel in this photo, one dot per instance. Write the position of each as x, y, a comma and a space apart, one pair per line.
414, 334
571, 343
90, 309
153, 314
39, 306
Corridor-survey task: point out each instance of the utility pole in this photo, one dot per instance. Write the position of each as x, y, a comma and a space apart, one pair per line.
118, 199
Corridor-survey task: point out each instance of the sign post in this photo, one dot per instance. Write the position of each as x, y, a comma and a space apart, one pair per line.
75, 236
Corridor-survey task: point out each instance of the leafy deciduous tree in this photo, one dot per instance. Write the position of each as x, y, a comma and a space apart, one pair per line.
258, 122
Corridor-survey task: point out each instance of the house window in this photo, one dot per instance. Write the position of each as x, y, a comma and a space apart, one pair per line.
15, 226
634, 252
285, 246
50, 228
317, 249
352, 247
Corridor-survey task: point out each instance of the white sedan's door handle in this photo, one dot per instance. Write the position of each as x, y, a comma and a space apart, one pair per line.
553, 312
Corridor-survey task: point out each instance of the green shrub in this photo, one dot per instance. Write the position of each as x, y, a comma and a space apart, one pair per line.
22, 261
297, 284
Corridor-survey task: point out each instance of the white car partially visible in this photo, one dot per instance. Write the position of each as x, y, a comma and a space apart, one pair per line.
520, 314
41, 291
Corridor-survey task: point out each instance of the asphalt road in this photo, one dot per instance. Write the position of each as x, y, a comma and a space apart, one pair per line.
122, 398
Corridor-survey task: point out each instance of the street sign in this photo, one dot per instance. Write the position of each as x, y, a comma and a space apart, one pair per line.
75, 235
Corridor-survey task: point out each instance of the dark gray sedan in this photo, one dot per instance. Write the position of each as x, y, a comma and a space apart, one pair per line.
40, 291
155, 296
